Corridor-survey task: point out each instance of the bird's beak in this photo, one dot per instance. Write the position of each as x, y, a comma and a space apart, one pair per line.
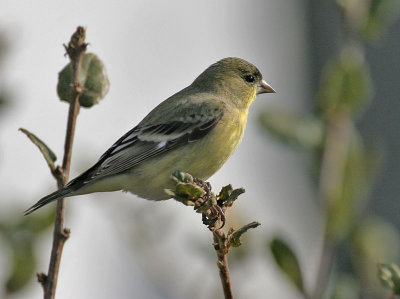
264, 87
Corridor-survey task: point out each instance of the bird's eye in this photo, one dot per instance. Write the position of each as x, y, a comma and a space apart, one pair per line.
249, 78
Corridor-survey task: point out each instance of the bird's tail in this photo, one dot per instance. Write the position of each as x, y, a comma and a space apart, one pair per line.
64, 192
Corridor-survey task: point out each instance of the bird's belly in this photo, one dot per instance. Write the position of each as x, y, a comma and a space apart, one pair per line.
201, 158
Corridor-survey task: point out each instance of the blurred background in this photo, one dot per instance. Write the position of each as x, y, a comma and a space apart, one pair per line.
319, 160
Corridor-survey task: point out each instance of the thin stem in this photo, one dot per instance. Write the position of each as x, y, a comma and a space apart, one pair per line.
331, 177
222, 263
75, 50
324, 268
224, 275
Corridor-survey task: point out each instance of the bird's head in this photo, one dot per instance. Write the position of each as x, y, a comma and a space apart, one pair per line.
235, 78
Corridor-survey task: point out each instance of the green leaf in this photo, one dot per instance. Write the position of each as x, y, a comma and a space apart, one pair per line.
389, 276
189, 190
19, 238
93, 78
370, 18
47, 153
380, 14
301, 131
185, 191
19, 234
228, 195
287, 261
346, 86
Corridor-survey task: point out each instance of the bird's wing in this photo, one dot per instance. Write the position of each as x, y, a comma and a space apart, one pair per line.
139, 144
147, 141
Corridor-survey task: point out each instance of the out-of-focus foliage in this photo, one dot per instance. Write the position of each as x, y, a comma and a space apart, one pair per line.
93, 78
389, 275
345, 166
346, 287
346, 86
373, 241
287, 261
19, 234
302, 131
343, 212
370, 18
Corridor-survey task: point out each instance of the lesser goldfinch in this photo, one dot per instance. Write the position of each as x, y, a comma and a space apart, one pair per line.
194, 131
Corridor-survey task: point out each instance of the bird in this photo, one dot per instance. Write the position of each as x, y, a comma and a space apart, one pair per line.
194, 131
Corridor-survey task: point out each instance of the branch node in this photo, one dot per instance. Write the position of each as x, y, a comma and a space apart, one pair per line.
42, 278
58, 172
65, 233
78, 88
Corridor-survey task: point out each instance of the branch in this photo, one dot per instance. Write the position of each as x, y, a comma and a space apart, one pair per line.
194, 192
76, 49
222, 263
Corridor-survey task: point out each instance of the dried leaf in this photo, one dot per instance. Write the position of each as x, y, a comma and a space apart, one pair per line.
236, 235
225, 193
